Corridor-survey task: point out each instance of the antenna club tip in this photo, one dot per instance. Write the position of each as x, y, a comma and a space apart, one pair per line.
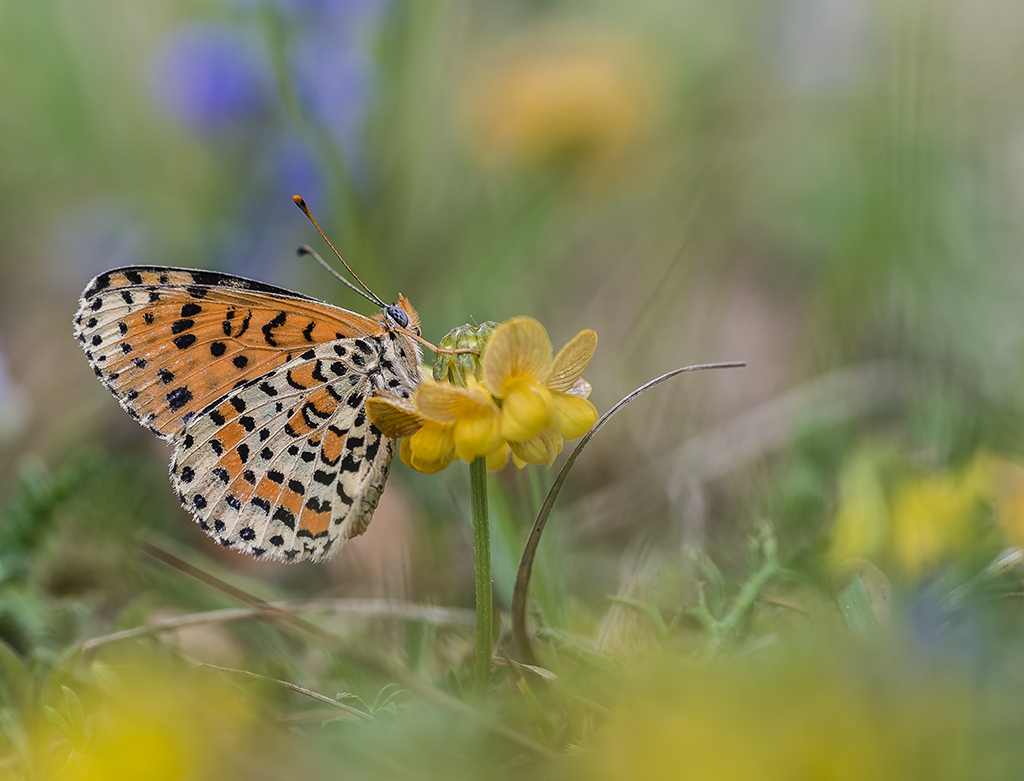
305, 249
299, 202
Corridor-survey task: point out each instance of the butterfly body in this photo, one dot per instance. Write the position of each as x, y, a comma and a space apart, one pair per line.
262, 391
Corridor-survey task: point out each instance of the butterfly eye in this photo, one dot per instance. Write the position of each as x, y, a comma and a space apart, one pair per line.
397, 314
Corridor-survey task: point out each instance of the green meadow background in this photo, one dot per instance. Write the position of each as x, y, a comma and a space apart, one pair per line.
803, 569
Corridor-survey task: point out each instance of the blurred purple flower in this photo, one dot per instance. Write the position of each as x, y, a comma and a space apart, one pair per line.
15, 405
296, 171
210, 76
823, 44
267, 227
334, 83
350, 11
354, 9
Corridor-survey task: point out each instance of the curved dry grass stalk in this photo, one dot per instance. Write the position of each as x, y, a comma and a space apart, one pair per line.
522, 585
841, 395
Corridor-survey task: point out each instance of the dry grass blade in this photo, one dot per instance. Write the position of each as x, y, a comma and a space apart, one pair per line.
294, 687
422, 688
381, 608
522, 586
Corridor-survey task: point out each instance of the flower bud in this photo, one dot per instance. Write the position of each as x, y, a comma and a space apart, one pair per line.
455, 368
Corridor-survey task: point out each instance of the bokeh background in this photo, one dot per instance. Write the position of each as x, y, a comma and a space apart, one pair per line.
830, 190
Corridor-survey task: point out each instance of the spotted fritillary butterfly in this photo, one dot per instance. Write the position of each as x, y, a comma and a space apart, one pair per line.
263, 394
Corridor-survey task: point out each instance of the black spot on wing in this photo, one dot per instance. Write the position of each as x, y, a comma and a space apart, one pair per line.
285, 516
268, 329
179, 397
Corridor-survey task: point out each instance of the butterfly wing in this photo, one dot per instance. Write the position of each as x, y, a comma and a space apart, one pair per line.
166, 342
263, 393
288, 466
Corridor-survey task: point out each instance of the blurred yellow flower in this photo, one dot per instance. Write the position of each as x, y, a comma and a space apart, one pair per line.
796, 723
555, 98
1006, 492
917, 521
527, 403
933, 517
159, 723
862, 525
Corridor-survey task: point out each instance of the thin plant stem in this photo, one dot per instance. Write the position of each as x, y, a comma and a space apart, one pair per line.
482, 566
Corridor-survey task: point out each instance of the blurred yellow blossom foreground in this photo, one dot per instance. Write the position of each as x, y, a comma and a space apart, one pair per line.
145, 720
519, 400
803, 721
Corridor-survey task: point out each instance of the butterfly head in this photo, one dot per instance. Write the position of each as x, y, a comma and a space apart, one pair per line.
402, 315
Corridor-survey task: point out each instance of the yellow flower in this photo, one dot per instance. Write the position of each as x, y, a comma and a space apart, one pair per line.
543, 398
474, 417
430, 449
427, 446
440, 422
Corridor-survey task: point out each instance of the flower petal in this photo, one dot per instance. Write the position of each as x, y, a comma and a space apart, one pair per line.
498, 458
478, 432
447, 403
581, 388
572, 417
430, 449
572, 360
541, 449
394, 416
526, 410
520, 348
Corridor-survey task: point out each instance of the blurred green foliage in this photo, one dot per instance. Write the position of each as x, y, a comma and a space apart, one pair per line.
827, 189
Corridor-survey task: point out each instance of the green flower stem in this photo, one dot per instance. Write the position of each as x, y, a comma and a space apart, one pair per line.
482, 565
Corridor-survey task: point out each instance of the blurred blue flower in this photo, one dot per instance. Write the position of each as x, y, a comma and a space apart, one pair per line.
945, 634
210, 76
354, 9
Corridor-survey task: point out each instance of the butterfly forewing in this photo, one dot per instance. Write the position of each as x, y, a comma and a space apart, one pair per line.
263, 393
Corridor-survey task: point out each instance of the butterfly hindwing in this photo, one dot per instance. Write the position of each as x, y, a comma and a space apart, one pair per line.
287, 465
263, 393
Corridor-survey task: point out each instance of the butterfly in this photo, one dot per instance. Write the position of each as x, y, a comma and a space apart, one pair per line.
262, 392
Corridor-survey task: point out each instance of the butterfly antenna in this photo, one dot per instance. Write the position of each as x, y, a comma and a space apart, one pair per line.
305, 210
307, 250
